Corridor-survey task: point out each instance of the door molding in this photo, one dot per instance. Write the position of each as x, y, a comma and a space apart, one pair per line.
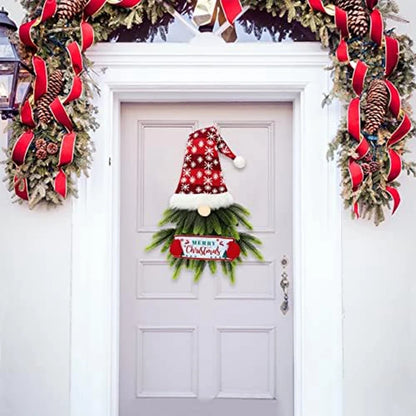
224, 72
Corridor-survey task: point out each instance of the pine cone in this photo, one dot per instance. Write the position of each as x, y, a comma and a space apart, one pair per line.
358, 16
41, 154
40, 144
55, 84
358, 21
366, 168
377, 102
67, 9
374, 166
52, 149
348, 4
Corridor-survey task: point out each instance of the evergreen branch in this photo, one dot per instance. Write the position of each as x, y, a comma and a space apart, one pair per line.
212, 267
216, 223
177, 268
241, 216
200, 227
160, 237
247, 242
227, 217
189, 222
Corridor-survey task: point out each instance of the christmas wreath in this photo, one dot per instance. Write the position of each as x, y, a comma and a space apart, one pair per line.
372, 70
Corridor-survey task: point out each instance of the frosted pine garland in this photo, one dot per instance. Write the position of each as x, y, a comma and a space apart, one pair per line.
370, 195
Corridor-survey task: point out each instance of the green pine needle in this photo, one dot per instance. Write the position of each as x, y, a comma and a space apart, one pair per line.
212, 267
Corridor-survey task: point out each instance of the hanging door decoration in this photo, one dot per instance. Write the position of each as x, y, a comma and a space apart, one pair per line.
203, 213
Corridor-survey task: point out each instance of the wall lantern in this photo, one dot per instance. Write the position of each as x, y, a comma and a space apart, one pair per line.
15, 77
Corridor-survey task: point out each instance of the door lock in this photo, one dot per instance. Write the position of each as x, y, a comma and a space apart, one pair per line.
284, 284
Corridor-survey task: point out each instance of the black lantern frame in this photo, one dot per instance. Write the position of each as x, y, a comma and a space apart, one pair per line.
15, 76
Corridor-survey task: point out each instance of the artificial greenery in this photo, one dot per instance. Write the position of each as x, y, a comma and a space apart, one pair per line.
222, 222
54, 34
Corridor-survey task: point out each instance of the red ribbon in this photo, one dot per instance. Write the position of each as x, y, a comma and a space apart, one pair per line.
61, 186
394, 193
21, 188
356, 173
41, 74
26, 114
57, 108
391, 60
25, 35
371, 4
342, 51
395, 100
66, 153
376, 27
60, 114
392, 55
76, 90
19, 153
358, 77
66, 156
126, 3
21, 147
353, 120
341, 21
395, 160
87, 36
232, 9
25, 30
362, 148
356, 210
401, 131
75, 55
317, 5
395, 165
354, 128
93, 6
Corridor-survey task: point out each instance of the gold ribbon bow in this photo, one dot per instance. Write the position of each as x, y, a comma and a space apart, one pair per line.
206, 13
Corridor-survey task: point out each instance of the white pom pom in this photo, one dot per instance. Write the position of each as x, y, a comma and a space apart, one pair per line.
239, 162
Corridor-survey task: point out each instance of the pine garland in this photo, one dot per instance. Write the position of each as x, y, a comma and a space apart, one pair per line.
221, 222
55, 33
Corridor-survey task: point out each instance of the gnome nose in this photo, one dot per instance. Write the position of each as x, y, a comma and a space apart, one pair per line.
204, 210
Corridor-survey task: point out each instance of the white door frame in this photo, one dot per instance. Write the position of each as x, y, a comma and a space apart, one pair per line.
224, 72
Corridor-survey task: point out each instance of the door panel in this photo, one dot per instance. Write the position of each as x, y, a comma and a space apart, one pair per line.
211, 348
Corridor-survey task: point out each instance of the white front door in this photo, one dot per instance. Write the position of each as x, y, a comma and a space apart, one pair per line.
210, 348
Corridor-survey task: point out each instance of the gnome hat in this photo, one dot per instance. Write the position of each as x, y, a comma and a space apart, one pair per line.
201, 181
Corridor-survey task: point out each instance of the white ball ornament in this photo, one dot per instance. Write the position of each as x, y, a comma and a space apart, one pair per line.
239, 162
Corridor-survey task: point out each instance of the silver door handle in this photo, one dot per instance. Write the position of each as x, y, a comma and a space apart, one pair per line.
284, 284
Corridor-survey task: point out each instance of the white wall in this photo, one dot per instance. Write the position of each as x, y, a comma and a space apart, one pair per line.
379, 301
379, 293
35, 250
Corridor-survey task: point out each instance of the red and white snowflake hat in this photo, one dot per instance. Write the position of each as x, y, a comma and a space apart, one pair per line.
201, 181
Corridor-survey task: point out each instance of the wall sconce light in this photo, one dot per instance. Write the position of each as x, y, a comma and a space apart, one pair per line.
15, 77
